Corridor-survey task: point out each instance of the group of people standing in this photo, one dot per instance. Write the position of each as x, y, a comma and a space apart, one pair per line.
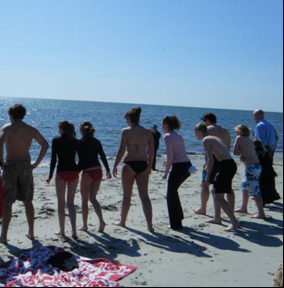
138, 151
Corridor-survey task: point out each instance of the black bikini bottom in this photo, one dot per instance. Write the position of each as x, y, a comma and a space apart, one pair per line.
138, 166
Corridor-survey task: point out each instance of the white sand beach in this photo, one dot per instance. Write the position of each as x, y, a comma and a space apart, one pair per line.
201, 255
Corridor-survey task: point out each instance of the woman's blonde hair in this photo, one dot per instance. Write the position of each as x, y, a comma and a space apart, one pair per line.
243, 130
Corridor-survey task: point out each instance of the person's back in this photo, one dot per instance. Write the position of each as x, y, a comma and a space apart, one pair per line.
137, 143
19, 132
221, 133
66, 150
247, 150
218, 147
177, 145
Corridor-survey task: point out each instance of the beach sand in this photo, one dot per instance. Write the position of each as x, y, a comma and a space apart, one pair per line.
201, 255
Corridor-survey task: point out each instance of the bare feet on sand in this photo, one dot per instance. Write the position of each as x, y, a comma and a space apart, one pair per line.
214, 221
258, 216
232, 228
199, 211
102, 227
151, 229
84, 229
3, 241
75, 236
31, 237
119, 224
241, 211
60, 234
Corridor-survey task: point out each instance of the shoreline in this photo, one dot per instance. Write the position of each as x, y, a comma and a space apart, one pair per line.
201, 255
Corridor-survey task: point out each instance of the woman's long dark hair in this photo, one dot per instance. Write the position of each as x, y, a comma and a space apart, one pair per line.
88, 130
68, 130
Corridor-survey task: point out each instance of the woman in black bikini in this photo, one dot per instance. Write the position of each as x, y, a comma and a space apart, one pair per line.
64, 150
90, 149
135, 141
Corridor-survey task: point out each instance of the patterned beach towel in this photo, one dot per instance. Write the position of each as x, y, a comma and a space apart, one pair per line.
1, 199
32, 270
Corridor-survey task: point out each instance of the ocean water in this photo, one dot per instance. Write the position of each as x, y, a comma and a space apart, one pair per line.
108, 119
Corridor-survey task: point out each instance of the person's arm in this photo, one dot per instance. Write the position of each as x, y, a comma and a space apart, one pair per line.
237, 147
170, 155
53, 161
151, 147
104, 159
4, 132
44, 147
260, 133
210, 159
121, 152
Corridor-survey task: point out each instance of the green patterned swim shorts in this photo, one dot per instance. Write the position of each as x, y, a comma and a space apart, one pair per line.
18, 181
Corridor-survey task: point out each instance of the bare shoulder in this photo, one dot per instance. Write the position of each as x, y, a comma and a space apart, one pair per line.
6, 127
207, 140
211, 129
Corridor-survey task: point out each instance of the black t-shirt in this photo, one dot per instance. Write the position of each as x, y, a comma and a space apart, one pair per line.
64, 152
89, 152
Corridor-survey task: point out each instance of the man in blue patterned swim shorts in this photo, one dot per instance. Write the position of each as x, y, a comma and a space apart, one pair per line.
244, 147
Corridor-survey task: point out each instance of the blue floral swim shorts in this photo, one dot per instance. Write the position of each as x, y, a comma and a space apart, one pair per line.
251, 182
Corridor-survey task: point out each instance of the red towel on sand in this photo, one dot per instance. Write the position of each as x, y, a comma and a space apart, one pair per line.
1, 199
32, 270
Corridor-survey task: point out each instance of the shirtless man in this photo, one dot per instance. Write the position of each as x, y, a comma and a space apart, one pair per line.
18, 176
214, 146
210, 120
244, 147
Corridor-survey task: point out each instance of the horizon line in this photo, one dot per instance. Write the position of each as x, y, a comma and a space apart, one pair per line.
132, 103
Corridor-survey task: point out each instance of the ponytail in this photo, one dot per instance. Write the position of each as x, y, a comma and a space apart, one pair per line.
173, 122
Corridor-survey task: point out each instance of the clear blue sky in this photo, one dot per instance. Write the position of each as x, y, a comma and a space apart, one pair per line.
204, 53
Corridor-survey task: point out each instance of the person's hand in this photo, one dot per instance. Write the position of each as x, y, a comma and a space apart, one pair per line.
150, 170
34, 166
109, 176
165, 176
115, 172
48, 180
165, 164
243, 159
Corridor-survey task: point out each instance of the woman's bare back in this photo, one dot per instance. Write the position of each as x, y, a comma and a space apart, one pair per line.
137, 139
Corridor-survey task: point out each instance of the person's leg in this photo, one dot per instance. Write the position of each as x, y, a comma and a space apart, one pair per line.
95, 187
259, 204
217, 219
30, 213
155, 160
227, 209
6, 220
60, 190
177, 177
72, 187
244, 208
143, 186
205, 195
85, 193
128, 178
231, 198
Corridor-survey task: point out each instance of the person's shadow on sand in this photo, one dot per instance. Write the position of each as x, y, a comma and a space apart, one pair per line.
221, 243
104, 247
172, 243
261, 234
276, 207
